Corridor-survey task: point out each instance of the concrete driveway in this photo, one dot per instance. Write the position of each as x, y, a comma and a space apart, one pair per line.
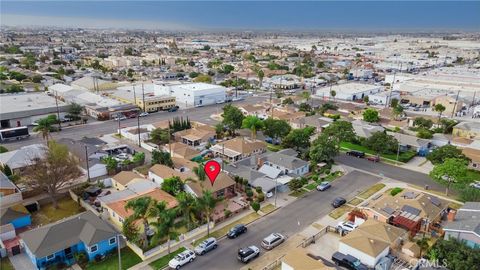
21, 262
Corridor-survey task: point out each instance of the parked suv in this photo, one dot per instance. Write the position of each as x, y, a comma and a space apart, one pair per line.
355, 153
348, 261
205, 246
181, 259
236, 231
339, 201
248, 253
272, 241
347, 226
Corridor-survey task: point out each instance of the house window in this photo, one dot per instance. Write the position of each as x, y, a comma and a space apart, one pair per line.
112, 240
113, 213
375, 217
50, 257
94, 248
120, 219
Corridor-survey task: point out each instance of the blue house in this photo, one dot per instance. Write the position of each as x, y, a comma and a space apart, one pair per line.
59, 242
18, 215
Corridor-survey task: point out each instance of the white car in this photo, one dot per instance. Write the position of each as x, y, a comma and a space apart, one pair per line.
347, 226
122, 156
475, 185
143, 114
181, 259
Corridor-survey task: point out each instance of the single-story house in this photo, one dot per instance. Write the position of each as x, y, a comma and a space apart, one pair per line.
364, 129
464, 224
17, 215
287, 164
223, 187
469, 130
253, 109
197, 136
158, 172
59, 242
122, 179
318, 122
181, 150
9, 193
421, 146
23, 157
239, 148
474, 155
371, 241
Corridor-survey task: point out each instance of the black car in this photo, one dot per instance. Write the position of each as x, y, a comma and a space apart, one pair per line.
339, 201
348, 261
173, 109
236, 231
355, 153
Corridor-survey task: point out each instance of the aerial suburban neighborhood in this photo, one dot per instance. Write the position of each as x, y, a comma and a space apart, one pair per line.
130, 142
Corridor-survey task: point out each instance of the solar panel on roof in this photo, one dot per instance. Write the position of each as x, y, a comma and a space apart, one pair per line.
435, 201
412, 210
388, 210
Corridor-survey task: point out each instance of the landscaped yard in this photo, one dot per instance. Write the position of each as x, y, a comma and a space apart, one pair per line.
48, 214
472, 176
267, 208
274, 148
298, 193
371, 190
355, 201
403, 157
340, 211
311, 186
129, 259
5, 264
163, 261
143, 169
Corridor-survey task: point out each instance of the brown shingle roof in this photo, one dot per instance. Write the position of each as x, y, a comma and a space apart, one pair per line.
167, 172
473, 154
125, 177
243, 146
222, 181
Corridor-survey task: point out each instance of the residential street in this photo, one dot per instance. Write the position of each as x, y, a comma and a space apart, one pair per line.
390, 171
288, 220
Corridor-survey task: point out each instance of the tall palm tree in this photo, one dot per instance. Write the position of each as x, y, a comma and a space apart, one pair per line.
141, 211
45, 126
186, 207
207, 204
253, 123
200, 172
165, 227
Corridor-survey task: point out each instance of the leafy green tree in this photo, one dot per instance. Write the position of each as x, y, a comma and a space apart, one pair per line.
45, 126
371, 115
276, 128
219, 130
381, 143
423, 123
141, 211
111, 163
447, 125
203, 78
324, 148
255, 206
452, 170
187, 207
138, 158
172, 185
470, 194
166, 228
333, 94
440, 109
455, 254
160, 136
394, 103
6, 170
75, 110
298, 138
207, 203
130, 231
342, 130
287, 101
397, 111
161, 157
226, 69
232, 118
440, 154
199, 171
366, 99
253, 123
305, 107
424, 133
193, 74
423, 244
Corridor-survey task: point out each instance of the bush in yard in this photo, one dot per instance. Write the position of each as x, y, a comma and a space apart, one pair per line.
260, 197
258, 189
303, 180
327, 171
255, 206
249, 193
395, 191
470, 194
227, 213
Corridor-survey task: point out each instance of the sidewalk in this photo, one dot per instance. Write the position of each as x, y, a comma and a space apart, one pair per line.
418, 164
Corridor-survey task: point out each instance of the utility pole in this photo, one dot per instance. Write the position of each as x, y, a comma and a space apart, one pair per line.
118, 250
391, 87
143, 96
138, 130
473, 100
455, 105
236, 86
271, 100
58, 112
88, 166
134, 96
119, 134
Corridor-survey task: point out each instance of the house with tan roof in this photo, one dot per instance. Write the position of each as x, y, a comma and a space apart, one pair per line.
223, 187
197, 136
239, 148
371, 241
253, 109
121, 180
298, 259
158, 172
474, 155
118, 214
180, 150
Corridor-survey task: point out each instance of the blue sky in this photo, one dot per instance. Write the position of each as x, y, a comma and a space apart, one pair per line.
288, 15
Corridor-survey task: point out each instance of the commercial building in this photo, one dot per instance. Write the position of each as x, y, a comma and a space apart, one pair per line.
349, 91
145, 98
192, 94
384, 97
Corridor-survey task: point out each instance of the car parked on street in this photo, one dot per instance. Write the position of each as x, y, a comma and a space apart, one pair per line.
374, 158
236, 231
181, 259
246, 254
272, 241
339, 201
206, 246
348, 261
173, 109
324, 186
143, 114
356, 153
347, 226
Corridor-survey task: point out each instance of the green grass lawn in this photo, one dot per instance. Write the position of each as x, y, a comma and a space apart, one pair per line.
472, 176
48, 214
163, 261
371, 190
340, 211
268, 208
5, 264
274, 148
332, 176
311, 186
355, 201
298, 193
403, 157
129, 259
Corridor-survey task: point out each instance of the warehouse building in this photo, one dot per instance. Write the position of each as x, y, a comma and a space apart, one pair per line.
349, 91
191, 94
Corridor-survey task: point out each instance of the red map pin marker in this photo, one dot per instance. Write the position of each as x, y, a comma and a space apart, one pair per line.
212, 169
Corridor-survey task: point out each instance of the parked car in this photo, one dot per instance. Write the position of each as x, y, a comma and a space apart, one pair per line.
143, 114
181, 259
272, 241
339, 201
116, 118
356, 153
173, 109
475, 185
374, 158
324, 186
236, 231
205, 246
348, 261
122, 156
347, 226
248, 253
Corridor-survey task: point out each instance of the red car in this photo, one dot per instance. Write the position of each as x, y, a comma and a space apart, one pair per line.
373, 158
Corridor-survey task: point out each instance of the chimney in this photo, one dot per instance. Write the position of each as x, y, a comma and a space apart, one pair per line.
451, 215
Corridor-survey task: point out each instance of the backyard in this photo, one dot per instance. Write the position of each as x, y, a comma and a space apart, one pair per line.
129, 259
48, 214
403, 157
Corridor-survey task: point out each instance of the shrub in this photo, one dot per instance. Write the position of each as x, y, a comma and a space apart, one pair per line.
249, 193
395, 191
260, 197
258, 189
327, 171
227, 213
255, 206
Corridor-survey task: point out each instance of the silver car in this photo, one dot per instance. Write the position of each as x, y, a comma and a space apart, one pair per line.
272, 241
205, 246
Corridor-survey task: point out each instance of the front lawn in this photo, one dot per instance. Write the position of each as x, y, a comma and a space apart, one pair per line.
298, 193
163, 261
129, 259
371, 190
311, 186
355, 201
48, 214
274, 148
5, 264
340, 211
403, 157
472, 176
268, 208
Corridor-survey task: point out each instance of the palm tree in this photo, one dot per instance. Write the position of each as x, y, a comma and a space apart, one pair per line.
440, 109
141, 211
200, 172
45, 126
333, 94
253, 123
207, 204
165, 227
186, 207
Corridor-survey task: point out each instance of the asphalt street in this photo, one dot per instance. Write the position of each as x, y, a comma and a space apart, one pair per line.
97, 128
390, 171
288, 220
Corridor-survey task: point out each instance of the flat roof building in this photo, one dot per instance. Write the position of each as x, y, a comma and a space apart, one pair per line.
192, 94
349, 91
